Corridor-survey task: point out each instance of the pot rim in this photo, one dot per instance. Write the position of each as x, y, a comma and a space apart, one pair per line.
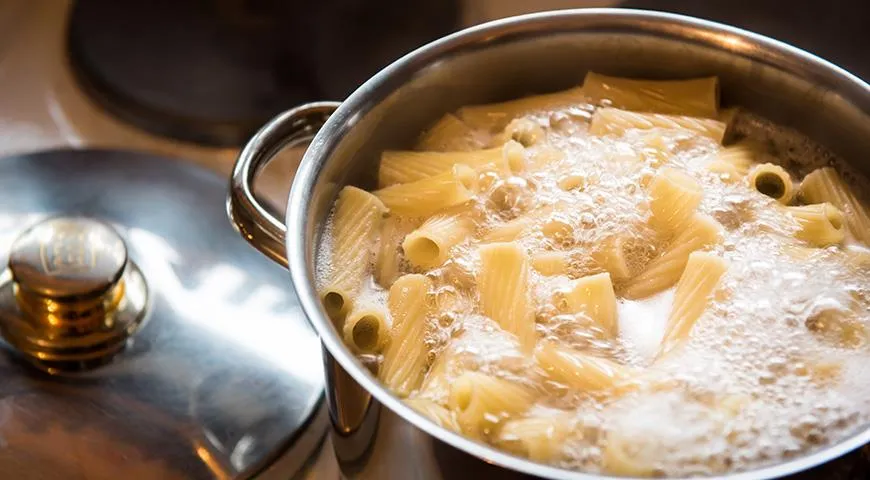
757, 48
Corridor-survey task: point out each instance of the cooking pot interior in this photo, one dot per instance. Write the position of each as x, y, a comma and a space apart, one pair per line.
542, 56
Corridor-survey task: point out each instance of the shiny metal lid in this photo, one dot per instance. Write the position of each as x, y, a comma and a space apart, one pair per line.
141, 337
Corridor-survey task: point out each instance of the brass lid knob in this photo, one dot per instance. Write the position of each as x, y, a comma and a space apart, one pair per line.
68, 257
71, 297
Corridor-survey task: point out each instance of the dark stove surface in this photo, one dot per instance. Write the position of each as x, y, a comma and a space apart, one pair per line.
214, 71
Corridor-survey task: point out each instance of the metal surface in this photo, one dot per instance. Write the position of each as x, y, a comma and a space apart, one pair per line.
252, 220
505, 59
70, 298
219, 383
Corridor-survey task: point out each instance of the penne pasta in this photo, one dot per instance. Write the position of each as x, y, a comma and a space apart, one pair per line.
449, 134
425, 197
540, 438
593, 297
435, 412
579, 371
772, 181
404, 364
504, 295
482, 401
821, 224
405, 167
664, 272
365, 329
674, 198
355, 223
388, 254
613, 121
697, 97
826, 185
699, 279
429, 245
495, 116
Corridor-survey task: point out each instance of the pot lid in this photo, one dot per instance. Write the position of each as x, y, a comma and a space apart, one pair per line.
142, 337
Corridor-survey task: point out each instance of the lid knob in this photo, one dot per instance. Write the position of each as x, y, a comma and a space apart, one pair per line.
71, 296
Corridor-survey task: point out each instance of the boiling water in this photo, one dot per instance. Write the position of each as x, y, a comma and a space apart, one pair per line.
761, 379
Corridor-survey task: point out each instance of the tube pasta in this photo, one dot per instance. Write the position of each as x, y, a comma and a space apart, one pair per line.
524, 131
612, 257
539, 438
821, 224
674, 198
482, 401
404, 364
429, 245
512, 230
435, 412
593, 297
826, 185
405, 166
580, 371
365, 329
613, 121
425, 197
388, 254
742, 155
699, 279
551, 263
773, 181
496, 116
697, 97
618, 457
663, 272
449, 134
355, 223
503, 285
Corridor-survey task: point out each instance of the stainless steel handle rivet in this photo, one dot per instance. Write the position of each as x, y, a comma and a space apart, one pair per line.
70, 297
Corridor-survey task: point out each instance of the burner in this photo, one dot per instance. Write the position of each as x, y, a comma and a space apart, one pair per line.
214, 71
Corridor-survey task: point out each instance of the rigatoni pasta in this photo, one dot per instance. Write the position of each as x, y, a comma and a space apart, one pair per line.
592, 280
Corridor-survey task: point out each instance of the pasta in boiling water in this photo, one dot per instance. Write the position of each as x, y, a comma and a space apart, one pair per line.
601, 279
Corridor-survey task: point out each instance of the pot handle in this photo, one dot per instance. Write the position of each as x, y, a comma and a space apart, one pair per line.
261, 229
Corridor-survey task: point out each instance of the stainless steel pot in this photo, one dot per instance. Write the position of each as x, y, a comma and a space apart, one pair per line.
375, 435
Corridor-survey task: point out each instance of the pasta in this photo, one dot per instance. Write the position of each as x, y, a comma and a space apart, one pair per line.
504, 296
821, 224
405, 167
354, 224
591, 279
663, 272
580, 371
365, 329
449, 134
388, 255
773, 181
674, 197
612, 121
701, 275
404, 363
612, 257
481, 402
427, 196
539, 438
496, 116
697, 97
826, 185
593, 297
428, 246
437, 413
